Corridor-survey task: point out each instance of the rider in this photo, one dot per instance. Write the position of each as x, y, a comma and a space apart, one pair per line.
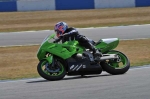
70, 33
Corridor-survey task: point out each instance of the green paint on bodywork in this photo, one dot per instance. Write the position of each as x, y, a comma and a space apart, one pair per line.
106, 46
49, 59
69, 48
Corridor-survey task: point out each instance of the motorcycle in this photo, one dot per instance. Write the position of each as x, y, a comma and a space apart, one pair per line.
69, 58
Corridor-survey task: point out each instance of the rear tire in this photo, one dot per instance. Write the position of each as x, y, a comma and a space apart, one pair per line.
51, 73
113, 66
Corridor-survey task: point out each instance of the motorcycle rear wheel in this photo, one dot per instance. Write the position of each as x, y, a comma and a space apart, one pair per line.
48, 72
116, 66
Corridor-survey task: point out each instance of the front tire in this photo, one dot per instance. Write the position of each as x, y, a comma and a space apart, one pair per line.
116, 66
49, 72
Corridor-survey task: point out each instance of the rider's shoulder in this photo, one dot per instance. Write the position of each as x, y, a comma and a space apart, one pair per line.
72, 28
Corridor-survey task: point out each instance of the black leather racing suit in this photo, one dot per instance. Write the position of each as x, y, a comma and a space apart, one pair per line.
72, 34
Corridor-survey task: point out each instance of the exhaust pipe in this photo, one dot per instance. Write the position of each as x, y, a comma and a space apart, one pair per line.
108, 56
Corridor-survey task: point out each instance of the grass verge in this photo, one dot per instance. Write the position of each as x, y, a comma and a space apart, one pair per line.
41, 20
21, 62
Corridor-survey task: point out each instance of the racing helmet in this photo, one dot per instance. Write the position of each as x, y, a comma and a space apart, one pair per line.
60, 28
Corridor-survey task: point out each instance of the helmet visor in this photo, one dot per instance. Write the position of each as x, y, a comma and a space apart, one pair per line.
58, 33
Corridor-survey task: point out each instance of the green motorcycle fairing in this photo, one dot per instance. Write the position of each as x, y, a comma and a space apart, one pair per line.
108, 44
64, 50
69, 48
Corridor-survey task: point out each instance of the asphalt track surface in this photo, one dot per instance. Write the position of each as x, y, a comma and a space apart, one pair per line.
135, 84
122, 32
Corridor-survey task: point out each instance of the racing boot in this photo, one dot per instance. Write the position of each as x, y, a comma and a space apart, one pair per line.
97, 54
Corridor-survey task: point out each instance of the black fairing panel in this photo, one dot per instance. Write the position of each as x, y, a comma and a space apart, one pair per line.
82, 66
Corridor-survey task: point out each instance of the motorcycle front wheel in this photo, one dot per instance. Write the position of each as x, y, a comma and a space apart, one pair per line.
116, 66
51, 72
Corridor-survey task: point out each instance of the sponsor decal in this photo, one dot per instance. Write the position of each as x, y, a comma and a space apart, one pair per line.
77, 67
